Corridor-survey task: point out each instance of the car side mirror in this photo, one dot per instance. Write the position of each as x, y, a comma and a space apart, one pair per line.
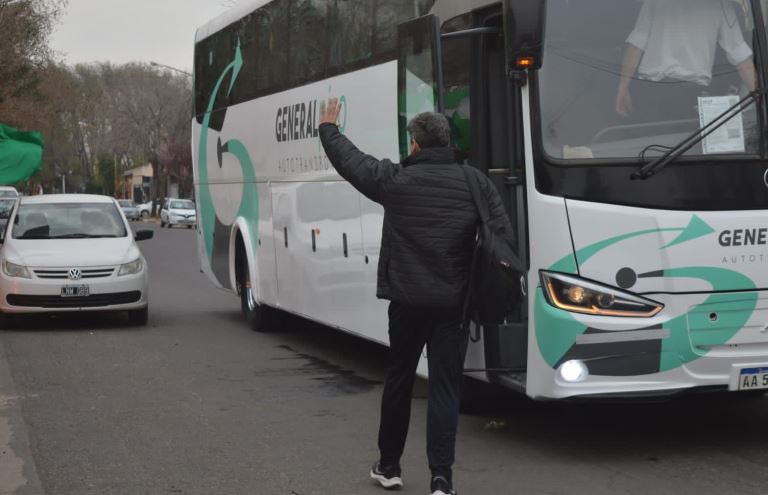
143, 235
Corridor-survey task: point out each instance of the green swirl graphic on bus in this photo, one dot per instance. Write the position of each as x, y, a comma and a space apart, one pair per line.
249, 204
733, 295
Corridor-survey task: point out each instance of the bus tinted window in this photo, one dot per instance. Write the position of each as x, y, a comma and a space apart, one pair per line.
353, 43
309, 40
388, 15
288, 43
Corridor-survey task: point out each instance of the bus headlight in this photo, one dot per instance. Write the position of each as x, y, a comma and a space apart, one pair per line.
577, 295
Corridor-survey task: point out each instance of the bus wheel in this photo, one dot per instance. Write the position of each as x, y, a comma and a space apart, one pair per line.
260, 318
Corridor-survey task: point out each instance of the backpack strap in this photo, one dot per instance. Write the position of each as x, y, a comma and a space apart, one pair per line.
481, 202
482, 211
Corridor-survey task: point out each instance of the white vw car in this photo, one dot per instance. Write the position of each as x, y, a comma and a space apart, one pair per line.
72, 252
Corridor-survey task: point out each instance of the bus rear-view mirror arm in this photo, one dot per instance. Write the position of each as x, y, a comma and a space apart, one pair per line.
471, 32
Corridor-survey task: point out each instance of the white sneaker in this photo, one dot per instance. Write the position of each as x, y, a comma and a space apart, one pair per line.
441, 486
388, 476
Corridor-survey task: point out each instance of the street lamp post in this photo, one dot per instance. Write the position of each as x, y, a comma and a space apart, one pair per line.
155, 64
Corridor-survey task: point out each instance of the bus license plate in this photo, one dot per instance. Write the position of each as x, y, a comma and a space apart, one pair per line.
75, 291
753, 378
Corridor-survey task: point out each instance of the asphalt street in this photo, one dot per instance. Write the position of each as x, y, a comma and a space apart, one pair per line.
196, 403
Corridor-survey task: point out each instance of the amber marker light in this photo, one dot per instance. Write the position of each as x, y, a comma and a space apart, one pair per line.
525, 62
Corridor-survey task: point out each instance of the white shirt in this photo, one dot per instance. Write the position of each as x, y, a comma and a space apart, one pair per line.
679, 38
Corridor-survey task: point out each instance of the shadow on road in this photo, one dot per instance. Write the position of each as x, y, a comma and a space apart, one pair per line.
72, 322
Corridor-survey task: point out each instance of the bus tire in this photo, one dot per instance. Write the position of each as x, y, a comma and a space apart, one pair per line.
260, 318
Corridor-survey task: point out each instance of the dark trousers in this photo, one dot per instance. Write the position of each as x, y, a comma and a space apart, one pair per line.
410, 328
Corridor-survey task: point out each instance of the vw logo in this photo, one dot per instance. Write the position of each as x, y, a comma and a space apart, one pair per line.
74, 274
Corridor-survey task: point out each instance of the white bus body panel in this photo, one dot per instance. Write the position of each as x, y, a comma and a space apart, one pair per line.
298, 190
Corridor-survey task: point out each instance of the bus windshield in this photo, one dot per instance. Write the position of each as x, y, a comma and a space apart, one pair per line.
629, 79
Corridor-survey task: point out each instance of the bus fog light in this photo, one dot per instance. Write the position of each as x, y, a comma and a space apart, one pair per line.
573, 371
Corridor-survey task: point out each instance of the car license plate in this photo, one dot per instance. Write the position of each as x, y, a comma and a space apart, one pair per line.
753, 378
75, 291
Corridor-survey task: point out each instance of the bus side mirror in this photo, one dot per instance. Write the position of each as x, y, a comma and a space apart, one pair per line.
524, 22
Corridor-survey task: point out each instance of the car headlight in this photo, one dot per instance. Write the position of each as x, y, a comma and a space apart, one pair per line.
14, 270
131, 268
577, 295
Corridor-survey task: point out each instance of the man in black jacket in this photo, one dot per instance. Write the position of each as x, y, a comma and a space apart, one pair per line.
428, 237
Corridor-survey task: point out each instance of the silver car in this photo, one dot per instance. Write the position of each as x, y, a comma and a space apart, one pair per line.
129, 208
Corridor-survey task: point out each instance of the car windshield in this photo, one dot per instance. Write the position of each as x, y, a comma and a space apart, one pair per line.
182, 204
6, 207
629, 79
126, 203
8, 193
68, 220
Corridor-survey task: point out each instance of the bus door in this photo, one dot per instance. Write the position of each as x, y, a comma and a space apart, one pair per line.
497, 148
462, 73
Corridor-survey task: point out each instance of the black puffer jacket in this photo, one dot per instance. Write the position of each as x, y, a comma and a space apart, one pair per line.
430, 219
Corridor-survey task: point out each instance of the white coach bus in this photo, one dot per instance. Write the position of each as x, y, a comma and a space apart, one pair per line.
626, 137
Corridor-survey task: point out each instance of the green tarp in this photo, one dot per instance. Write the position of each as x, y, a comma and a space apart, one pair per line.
21, 154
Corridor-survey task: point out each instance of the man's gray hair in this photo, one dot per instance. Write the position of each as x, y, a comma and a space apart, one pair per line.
430, 130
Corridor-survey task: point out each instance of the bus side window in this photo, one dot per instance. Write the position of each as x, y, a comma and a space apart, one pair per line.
308, 30
350, 34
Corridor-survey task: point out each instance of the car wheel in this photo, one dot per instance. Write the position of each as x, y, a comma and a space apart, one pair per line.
189, 226
138, 317
162, 224
145, 214
260, 318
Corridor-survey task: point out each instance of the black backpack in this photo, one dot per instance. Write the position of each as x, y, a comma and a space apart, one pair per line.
494, 282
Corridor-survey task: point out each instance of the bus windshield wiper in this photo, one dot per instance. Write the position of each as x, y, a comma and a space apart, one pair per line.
649, 169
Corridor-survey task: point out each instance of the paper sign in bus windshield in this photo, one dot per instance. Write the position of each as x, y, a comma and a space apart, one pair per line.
730, 137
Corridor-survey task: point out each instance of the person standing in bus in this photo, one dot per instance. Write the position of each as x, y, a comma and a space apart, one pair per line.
428, 238
675, 41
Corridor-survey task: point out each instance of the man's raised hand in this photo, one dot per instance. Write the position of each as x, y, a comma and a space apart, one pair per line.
329, 112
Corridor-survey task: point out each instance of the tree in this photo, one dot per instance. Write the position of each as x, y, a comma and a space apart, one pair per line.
26, 25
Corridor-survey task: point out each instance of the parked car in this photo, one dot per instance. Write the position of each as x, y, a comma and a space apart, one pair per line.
69, 253
8, 192
178, 212
145, 209
130, 210
6, 208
